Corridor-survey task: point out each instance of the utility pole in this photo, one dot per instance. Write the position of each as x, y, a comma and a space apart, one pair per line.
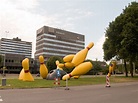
3, 73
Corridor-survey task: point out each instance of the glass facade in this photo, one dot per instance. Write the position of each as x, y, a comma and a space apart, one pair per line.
57, 42
15, 46
13, 51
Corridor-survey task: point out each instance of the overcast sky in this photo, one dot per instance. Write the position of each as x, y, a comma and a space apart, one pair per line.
21, 18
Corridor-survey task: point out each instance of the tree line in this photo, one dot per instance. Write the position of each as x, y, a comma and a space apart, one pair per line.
122, 37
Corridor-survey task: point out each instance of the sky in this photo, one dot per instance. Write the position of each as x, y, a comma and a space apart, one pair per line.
21, 18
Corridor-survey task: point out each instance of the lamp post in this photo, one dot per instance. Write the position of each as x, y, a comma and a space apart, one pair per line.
3, 71
4, 65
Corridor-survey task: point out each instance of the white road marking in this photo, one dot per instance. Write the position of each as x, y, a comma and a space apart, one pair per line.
0, 99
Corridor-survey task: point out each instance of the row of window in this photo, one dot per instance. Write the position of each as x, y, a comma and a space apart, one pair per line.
7, 52
41, 37
49, 35
14, 41
15, 61
48, 53
18, 43
60, 50
45, 46
55, 52
16, 51
16, 46
54, 36
57, 41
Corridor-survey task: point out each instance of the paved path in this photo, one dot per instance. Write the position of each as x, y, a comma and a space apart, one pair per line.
118, 93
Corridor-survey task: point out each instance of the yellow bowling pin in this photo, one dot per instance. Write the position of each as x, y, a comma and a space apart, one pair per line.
76, 77
109, 74
68, 58
112, 66
43, 69
69, 65
59, 65
21, 75
27, 75
81, 69
81, 55
66, 77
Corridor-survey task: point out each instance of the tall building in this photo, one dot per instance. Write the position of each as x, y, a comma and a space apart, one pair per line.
12, 52
56, 42
15, 46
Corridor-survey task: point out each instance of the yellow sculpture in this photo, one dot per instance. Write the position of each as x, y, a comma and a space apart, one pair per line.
77, 61
25, 74
21, 75
112, 67
43, 69
81, 69
76, 77
59, 65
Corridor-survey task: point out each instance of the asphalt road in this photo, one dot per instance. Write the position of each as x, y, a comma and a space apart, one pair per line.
117, 93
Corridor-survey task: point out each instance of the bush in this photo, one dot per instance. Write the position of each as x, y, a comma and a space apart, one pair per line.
51, 62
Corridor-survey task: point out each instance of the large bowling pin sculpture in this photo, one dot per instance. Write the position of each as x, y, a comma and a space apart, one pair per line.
79, 70
21, 75
77, 61
25, 74
43, 69
81, 55
112, 67
59, 65
68, 61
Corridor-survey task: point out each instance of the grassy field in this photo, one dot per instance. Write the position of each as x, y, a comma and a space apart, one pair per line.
42, 83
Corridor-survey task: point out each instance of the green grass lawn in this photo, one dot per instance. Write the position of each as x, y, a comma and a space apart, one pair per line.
42, 83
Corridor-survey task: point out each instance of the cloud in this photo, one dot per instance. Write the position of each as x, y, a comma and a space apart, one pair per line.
22, 18
97, 52
23, 4
16, 18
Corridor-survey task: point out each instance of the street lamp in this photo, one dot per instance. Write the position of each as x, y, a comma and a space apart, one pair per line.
4, 68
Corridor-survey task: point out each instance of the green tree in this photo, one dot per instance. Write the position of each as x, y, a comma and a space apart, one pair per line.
96, 67
51, 62
121, 37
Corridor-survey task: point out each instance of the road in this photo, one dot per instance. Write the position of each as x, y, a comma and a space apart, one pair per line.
117, 93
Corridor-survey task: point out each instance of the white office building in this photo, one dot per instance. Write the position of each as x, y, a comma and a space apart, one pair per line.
57, 42
15, 46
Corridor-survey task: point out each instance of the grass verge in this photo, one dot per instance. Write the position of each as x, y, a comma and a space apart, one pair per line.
42, 83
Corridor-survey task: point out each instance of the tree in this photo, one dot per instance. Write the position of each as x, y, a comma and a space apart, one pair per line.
51, 62
96, 66
121, 37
